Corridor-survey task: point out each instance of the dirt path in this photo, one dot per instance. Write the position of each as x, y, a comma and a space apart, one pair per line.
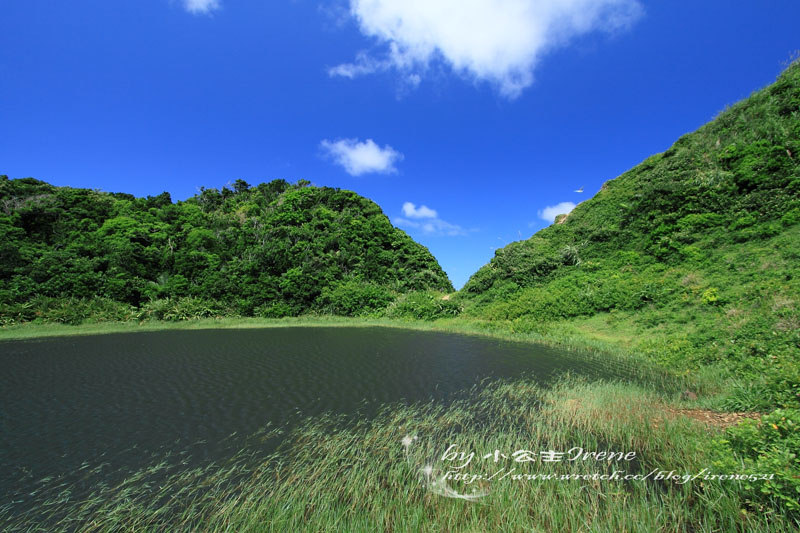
713, 418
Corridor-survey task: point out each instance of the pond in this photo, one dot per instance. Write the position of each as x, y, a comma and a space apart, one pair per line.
122, 401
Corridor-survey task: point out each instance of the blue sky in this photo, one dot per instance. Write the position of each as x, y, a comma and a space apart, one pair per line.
464, 121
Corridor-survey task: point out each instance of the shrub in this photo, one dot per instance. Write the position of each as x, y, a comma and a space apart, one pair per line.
569, 255
699, 221
176, 309
424, 305
353, 298
278, 309
711, 296
742, 222
768, 446
757, 164
792, 217
71, 311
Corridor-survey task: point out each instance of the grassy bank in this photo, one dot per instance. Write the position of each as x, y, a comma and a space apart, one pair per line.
592, 341
567, 340
31, 330
626, 363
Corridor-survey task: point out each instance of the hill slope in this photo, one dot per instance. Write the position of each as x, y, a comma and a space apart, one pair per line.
271, 250
693, 256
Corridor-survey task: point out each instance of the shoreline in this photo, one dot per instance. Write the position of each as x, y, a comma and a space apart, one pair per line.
462, 326
629, 363
471, 327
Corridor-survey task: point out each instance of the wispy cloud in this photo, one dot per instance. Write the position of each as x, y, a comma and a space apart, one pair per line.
199, 7
499, 41
432, 226
364, 64
423, 211
362, 157
550, 212
426, 220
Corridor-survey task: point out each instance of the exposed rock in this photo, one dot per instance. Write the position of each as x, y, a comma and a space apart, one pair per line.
688, 395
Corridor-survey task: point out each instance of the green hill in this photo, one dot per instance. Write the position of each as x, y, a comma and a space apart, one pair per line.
271, 250
692, 257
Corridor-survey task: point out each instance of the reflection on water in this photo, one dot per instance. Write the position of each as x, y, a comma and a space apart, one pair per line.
70, 404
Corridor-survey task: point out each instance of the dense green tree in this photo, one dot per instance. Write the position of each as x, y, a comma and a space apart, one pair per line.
268, 249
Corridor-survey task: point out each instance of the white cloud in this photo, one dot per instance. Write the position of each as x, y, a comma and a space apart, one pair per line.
550, 212
362, 157
427, 221
200, 6
363, 64
423, 211
499, 41
433, 226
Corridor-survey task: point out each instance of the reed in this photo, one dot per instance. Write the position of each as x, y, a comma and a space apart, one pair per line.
375, 475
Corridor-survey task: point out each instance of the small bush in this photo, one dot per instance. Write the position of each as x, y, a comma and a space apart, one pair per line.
569, 255
71, 311
792, 217
759, 164
353, 298
278, 309
424, 305
695, 222
711, 296
176, 309
768, 446
742, 222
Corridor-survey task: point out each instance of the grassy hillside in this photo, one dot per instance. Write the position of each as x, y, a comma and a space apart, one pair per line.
273, 250
692, 257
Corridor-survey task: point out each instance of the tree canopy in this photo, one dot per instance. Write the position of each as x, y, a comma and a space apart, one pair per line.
273, 249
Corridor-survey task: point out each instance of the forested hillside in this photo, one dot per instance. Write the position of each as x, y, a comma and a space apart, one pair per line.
693, 256
271, 250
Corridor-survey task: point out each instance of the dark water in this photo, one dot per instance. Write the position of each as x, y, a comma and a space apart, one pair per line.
67, 404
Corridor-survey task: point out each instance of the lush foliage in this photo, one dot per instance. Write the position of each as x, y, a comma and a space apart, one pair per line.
353, 298
769, 445
692, 256
424, 305
71, 255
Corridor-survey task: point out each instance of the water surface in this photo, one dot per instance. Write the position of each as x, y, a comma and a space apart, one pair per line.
68, 404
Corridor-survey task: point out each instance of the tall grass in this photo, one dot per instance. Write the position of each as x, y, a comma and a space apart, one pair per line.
374, 475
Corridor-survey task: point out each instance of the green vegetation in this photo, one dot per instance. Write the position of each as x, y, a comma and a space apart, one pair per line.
769, 445
74, 255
